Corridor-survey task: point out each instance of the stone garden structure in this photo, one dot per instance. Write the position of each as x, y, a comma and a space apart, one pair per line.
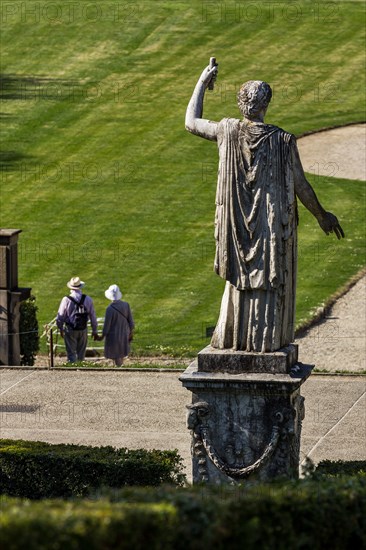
10, 297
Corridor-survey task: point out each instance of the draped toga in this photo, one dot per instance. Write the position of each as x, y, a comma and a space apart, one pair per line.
256, 236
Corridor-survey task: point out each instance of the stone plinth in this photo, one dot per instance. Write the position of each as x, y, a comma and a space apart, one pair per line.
237, 362
10, 297
9, 258
4, 307
248, 424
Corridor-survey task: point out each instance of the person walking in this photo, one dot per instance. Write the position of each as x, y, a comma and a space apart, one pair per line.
118, 327
72, 319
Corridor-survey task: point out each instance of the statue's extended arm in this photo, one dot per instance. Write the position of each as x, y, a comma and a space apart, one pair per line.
327, 221
194, 121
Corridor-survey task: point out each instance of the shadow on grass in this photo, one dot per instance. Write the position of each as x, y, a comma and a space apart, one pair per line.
16, 87
11, 161
25, 88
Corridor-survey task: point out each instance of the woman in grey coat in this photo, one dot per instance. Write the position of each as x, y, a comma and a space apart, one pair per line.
118, 327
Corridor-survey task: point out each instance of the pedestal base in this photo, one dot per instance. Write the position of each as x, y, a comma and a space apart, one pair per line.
245, 424
227, 360
9, 325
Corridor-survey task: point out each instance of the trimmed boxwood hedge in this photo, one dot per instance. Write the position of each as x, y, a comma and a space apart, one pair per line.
321, 515
41, 470
28, 329
67, 525
340, 468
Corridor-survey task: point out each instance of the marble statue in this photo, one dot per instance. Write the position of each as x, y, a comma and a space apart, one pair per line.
259, 178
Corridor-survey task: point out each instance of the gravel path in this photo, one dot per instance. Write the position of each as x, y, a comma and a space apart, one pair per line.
339, 341
338, 153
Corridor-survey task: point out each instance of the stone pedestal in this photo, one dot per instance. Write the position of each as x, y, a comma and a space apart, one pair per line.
10, 297
242, 362
246, 414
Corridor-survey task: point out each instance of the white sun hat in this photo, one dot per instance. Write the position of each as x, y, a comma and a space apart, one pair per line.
113, 293
75, 283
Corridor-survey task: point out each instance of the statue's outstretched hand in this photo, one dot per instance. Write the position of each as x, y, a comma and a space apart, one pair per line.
208, 75
329, 224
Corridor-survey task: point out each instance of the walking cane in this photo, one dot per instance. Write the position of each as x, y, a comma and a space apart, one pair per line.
51, 349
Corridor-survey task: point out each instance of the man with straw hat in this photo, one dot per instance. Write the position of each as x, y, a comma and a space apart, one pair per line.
72, 317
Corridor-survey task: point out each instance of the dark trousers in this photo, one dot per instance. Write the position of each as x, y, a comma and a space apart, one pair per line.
75, 342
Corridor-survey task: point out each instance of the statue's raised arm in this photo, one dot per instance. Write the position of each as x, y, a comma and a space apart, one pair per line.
194, 121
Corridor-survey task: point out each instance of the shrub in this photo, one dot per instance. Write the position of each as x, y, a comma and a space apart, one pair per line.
330, 513
85, 525
40, 470
339, 468
326, 514
28, 328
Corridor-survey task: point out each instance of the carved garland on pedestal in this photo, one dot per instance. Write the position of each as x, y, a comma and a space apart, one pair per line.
202, 445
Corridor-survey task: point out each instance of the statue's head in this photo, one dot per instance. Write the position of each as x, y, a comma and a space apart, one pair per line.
253, 98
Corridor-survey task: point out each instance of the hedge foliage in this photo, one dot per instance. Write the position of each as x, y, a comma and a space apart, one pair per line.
321, 515
40, 470
28, 328
340, 468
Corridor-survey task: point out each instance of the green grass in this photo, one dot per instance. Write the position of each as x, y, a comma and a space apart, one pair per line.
104, 181
132, 365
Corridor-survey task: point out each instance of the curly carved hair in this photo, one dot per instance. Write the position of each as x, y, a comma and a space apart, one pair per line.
253, 97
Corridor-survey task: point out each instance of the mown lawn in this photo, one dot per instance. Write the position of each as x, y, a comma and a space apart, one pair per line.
99, 173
